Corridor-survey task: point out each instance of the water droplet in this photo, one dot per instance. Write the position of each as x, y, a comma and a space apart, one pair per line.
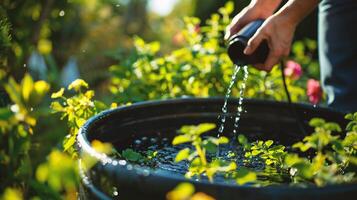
115, 191
14, 108
146, 172
129, 167
62, 13
137, 142
153, 140
122, 162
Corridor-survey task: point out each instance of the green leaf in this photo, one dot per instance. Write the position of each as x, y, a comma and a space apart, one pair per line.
242, 139
21, 131
302, 146
223, 140
57, 107
13, 90
316, 122
58, 94
182, 155
268, 143
197, 130
332, 127
291, 159
42, 173
180, 139
77, 85
349, 116
256, 152
131, 155
69, 142
40, 88
182, 191
245, 176
210, 146
100, 106
304, 169
5, 114
229, 6
351, 126
26, 86
350, 140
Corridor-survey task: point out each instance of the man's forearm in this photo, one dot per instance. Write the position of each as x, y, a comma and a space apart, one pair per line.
297, 10
266, 5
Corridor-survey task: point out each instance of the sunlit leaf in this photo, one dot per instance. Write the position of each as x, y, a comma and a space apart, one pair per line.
69, 142
27, 86
182, 155
315, 122
181, 192
180, 139
77, 85
101, 147
245, 176
268, 143
58, 94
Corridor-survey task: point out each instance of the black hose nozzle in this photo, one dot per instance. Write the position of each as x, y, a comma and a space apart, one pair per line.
238, 42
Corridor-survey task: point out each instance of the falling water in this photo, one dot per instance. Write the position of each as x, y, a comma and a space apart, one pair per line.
228, 94
240, 101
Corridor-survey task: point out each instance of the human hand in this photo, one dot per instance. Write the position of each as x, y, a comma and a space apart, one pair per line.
257, 9
278, 31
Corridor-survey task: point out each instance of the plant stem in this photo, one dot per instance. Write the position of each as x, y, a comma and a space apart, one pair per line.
201, 154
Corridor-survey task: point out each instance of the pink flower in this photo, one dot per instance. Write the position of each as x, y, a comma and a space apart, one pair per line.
293, 70
314, 91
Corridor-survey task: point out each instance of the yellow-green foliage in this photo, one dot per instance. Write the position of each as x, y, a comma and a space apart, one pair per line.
197, 156
200, 68
76, 109
17, 121
186, 191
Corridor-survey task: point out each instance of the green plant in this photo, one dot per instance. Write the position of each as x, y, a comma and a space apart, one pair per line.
271, 154
17, 122
186, 191
329, 158
197, 157
200, 68
133, 156
76, 109
60, 174
332, 155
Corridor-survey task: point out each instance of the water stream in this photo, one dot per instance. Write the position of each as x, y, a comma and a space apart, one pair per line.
240, 101
223, 116
225, 104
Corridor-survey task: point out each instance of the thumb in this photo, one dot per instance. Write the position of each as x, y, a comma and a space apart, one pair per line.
253, 43
231, 30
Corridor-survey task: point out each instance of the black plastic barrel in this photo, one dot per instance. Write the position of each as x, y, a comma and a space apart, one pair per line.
262, 120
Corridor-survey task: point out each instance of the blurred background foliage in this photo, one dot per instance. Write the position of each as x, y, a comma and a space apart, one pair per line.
47, 35
127, 51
